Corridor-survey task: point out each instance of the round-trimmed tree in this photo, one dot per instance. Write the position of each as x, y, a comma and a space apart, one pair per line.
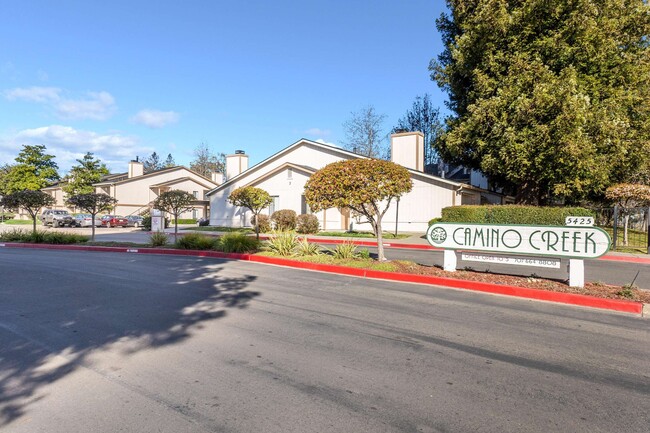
365, 186
31, 201
93, 203
254, 199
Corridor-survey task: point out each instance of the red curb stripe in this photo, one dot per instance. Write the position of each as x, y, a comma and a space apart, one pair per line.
642, 260
515, 291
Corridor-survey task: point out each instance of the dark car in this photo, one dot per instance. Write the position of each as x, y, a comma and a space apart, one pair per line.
114, 221
134, 221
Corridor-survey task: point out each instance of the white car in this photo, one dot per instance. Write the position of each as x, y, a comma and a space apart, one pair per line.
85, 220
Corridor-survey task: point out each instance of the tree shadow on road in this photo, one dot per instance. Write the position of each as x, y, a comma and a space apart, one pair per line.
52, 319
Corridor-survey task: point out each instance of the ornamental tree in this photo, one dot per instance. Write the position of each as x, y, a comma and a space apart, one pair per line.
31, 201
628, 196
365, 186
174, 202
254, 199
93, 203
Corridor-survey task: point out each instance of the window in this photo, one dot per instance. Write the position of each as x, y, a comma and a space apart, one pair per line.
195, 194
195, 213
275, 205
290, 173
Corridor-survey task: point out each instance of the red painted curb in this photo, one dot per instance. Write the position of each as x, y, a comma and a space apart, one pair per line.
520, 292
642, 260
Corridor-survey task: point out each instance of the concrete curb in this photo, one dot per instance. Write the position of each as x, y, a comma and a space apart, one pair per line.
520, 292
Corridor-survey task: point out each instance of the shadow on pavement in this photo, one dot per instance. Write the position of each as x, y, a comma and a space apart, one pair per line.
51, 320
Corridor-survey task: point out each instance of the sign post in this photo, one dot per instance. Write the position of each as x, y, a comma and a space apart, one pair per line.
573, 242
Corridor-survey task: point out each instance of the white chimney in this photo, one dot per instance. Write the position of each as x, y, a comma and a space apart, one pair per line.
236, 164
136, 168
217, 178
407, 149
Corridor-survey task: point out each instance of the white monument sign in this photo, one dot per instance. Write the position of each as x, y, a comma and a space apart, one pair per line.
573, 242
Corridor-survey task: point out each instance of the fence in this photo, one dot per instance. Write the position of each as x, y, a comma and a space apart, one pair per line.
628, 227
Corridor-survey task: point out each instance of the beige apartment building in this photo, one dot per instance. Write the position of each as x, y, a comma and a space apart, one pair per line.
135, 191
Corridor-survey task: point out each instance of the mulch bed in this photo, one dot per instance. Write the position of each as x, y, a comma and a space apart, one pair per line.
599, 290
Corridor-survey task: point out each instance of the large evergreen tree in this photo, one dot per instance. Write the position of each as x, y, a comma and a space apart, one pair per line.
34, 169
550, 98
82, 176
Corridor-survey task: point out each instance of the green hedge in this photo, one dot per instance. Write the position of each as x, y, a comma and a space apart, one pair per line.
510, 214
186, 221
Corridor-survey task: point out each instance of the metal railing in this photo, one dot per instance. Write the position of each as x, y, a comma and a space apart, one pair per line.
628, 227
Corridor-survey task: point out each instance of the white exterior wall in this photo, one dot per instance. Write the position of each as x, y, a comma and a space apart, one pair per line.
416, 208
224, 214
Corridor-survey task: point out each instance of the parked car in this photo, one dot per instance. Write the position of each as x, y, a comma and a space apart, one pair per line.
202, 222
114, 221
86, 220
134, 221
57, 218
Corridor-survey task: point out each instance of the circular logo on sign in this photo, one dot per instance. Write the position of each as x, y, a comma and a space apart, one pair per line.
438, 235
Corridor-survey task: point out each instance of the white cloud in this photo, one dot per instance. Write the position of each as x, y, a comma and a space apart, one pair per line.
69, 144
96, 105
34, 94
155, 118
318, 131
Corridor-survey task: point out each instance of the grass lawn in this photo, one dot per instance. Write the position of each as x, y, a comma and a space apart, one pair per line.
637, 240
219, 229
19, 222
355, 234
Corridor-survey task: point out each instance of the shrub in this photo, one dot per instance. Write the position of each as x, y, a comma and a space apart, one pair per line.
307, 224
57, 238
265, 223
282, 244
238, 243
41, 237
432, 221
284, 219
14, 235
364, 253
196, 241
305, 248
346, 250
512, 214
158, 239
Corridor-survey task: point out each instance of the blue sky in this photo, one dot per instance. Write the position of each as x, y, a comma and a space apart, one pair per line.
125, 78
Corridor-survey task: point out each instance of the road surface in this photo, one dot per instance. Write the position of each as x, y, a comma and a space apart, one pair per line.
108, 342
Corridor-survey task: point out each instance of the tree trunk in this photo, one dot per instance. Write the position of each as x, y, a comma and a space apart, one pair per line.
257, 226
92, 230
528, 193
380, 241
34, 223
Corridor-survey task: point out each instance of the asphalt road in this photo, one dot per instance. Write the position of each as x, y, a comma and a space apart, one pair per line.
106, 342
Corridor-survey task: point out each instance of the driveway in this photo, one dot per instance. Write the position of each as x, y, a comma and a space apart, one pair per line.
116, 342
